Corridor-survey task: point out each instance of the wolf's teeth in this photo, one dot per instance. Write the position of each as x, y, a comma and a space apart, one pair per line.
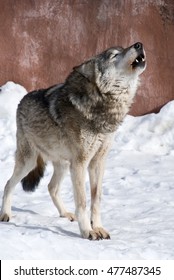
136, 60
143, 59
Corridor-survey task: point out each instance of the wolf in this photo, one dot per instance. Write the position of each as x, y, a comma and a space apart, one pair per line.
73, 125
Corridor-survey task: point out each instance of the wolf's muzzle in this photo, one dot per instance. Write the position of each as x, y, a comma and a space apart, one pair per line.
138, 46
140, 60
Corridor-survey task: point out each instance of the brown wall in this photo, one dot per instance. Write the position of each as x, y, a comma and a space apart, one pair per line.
41, 40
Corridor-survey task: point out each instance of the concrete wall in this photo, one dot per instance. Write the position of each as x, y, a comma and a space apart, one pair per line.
41, 40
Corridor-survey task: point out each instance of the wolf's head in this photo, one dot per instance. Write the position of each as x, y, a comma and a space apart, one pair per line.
116, 67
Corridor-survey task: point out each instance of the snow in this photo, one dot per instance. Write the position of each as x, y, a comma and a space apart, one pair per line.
137, 202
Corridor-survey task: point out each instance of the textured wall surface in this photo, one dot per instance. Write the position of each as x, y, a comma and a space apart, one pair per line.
41, 40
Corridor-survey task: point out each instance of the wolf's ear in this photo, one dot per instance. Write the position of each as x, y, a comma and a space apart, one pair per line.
87, 69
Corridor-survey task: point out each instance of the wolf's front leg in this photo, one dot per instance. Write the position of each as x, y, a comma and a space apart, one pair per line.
78, 171
96, 171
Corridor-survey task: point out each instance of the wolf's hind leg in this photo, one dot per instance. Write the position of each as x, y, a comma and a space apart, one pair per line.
54, 189
21, 169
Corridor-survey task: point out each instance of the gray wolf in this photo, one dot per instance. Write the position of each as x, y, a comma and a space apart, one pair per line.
72, 125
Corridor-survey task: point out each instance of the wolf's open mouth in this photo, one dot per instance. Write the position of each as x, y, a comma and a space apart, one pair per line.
139, 61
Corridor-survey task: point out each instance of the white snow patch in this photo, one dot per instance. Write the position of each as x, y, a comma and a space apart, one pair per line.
10, 96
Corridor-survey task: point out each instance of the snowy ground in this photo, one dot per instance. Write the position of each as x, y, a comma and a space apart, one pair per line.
137, 202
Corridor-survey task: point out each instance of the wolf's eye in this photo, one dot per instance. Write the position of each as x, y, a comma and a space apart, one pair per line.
114, 55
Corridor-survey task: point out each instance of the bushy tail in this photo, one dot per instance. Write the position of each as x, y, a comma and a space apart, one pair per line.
31, 181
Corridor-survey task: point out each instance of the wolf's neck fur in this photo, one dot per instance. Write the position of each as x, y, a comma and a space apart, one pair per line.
105, 111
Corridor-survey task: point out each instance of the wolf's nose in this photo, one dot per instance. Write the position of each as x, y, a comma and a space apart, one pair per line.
138, 46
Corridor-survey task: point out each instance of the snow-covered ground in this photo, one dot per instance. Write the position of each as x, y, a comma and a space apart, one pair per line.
137, 203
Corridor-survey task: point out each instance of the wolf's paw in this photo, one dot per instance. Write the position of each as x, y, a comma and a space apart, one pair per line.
70, 216
96, 234
4, 217
102, 233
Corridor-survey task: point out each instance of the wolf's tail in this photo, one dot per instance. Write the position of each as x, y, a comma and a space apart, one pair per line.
31, 181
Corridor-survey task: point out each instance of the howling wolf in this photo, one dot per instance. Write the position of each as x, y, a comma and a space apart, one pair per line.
72, 125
